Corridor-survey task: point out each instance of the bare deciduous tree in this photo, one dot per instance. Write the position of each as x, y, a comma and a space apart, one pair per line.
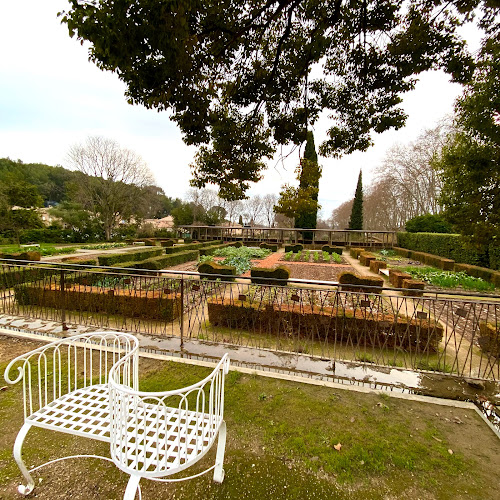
112, 175
268, 202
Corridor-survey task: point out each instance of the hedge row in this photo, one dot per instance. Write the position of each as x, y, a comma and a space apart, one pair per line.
480, 272
489, 339
447, 264
265, 276
354, 252
132, 303
210, 268
191, 246
332, 249
11, 276
353, 283
427, 258
396, 278
81, 261
163, 261
32, 255
451, 246
294, 248
355, 327
269, 246
377, 265
116, 258
366, 257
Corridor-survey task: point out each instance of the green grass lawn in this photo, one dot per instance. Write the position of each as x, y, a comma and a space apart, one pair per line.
283, 443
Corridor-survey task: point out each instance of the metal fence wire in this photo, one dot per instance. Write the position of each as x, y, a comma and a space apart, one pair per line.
456, 334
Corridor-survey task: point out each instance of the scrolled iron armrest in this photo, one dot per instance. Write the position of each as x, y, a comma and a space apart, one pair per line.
68, 340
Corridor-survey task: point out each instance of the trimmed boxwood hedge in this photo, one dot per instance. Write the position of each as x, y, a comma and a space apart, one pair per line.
191, 246
265, 276
11, 276
353, 283
377, 265
116, 258
355, 327
414, 285
294, 248
480, 272
354, 252
163, 261
151, 304
332, 249
449, 246
209, 268
366, 257
269, 246
31, 255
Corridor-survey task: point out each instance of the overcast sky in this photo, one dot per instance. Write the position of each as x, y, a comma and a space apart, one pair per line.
51, 97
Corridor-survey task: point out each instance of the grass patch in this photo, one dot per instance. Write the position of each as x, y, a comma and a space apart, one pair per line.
283, 443
44, 249
448, 279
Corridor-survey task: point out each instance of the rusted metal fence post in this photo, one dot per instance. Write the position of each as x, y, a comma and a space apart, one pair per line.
182, 312
63, 302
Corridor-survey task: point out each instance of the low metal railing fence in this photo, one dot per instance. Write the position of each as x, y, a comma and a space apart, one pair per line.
456, 334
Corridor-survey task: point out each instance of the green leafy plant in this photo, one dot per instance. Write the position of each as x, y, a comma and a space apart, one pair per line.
448, 279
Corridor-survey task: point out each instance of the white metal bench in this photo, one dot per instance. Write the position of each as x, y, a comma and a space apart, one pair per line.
87, 385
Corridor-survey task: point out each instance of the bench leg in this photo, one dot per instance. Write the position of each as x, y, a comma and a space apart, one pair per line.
219, 459
132, 487
24, 490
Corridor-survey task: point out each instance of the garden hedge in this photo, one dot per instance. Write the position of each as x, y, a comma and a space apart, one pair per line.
332, 249
167, 243
213, 268
31, 255
450, 246
354, 252
353, 283
265, 276
163, 261
153, 304
489, 339
14, 275
81, 261
115, 258
294, 248
366, 257
358, 327
192, 246
480, 272
269, 246
414, 285
377, 265
397, 277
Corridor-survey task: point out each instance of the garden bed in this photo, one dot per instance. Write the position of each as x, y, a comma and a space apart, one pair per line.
356, 327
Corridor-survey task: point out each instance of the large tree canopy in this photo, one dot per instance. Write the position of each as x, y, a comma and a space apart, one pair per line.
470, 162
240, 77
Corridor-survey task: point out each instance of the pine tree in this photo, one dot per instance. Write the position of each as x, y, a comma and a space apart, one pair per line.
309, 183
356, 221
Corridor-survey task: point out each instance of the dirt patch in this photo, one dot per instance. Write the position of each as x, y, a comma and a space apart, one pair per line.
11, 347
321, 272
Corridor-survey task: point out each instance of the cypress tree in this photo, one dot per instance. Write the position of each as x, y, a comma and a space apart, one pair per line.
309, 178
356, 220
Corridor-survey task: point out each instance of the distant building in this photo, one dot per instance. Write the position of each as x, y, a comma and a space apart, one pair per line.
165, 223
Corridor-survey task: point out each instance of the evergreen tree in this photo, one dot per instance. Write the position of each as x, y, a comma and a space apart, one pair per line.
309, 182
356, 221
